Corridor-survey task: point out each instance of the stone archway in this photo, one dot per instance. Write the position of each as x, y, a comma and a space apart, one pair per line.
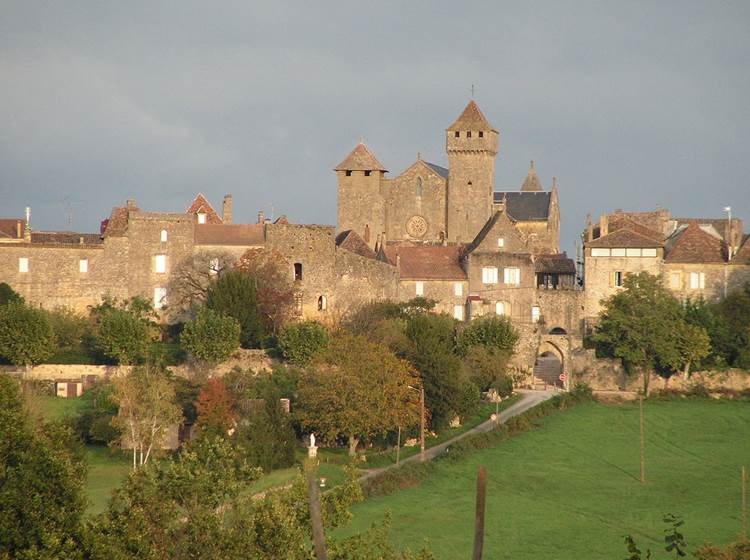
549, 364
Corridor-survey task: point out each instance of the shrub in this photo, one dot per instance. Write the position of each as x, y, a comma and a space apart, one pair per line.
491, 331
121, 336
26, 336
298, 342
211, 337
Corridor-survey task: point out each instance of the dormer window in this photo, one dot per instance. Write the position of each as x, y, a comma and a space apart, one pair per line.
348, 172
468, 134
501, 242
367, 173
201, 218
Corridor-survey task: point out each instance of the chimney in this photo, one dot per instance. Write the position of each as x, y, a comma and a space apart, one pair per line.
589, 228
227, 209
261, 217
19, 229
131, 204
603, 225
27, 229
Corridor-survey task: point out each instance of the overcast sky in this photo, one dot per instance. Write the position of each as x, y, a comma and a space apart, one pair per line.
630, 104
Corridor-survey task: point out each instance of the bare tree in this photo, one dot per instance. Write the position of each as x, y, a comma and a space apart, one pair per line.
193, 277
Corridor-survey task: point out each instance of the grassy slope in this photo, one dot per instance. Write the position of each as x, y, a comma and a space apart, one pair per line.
569, 489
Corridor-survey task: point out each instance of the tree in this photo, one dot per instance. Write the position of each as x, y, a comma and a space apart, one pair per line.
9, 295
121, 336
41, 484
147, 410
298, 342
492, 332
270, 272
377, 396
234, 294
693, 344
215, 407
211, 337
26, 336
193, 277
638, 325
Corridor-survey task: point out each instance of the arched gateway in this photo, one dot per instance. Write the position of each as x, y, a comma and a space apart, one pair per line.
550, 363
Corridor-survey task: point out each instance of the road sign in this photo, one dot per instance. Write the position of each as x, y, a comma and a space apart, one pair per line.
563, 377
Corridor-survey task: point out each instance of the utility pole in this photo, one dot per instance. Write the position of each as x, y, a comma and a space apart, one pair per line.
479, 515
421, 424
743, 485
643, 445
398, 446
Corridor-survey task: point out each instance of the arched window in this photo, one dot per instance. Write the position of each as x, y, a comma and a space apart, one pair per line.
163, 235
420, 189
322, 303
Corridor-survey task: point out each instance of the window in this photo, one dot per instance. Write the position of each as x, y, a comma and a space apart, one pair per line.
599, 252
213, 266
83, 265
535, 313
481, 134
322, 303
648, 252
468, 134
697, 280
633, 252
348, 172
458, 289
160, 298
163, 235
675, 280
619, 252
419, 288
512, 275
501, 242
420, 190
297, 271
457, 134
489, 275
161, 264
201, 218
367, 173
501, 308
458, 312
23, 264
617, 279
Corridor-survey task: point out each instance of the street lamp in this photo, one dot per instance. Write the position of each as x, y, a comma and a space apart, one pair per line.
728, 210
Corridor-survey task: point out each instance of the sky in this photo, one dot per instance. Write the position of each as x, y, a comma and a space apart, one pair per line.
631, 105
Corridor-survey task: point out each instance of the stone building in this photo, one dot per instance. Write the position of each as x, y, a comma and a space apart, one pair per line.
696, 257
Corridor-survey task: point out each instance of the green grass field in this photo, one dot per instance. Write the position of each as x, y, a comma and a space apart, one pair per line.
569, 489
107, 470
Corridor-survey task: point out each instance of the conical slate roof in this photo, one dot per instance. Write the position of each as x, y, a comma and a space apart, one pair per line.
471, 119
360, 159
531, 183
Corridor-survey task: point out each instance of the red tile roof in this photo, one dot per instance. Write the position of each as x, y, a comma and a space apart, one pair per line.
117, 223
230, 234
360, 159
9, 228
743, 254
624, 238
428, 262
65, 238
694, 245
201, 205
619, 221
471, 119
554, 264
351, 241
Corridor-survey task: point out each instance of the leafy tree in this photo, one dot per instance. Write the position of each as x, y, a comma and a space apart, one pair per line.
363, 319
234, 294
147, 410
377, 398
121, 336
211, 337
41, 484
639, 325
94, 422
298, 342
215, 407
193, 277
26, 336
487, 368
273, 283
72, 333
493, 332
9, 295
692, 345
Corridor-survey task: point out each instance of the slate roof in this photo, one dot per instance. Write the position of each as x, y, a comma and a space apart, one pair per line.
471, 119
486, 228
230, 234
531, 182
555, 264
624, 238
442, 171
9, 227
201, 205
525, 206
693, 244
360, 159
65, 238
351, 241
428, 262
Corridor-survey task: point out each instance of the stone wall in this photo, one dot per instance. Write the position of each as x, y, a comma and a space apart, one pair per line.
443, 291
716, 279
359, 280
404, 203
518, 298
361, 203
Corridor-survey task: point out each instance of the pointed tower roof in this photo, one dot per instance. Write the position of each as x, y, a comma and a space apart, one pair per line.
531, 183
471, 119
360, 159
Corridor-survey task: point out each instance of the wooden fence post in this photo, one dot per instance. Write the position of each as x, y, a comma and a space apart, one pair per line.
479, 516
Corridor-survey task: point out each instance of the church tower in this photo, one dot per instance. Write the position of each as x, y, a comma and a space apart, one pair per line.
471, 143
361, 196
